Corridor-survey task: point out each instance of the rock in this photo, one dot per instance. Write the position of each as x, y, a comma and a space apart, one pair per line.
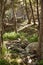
31, 47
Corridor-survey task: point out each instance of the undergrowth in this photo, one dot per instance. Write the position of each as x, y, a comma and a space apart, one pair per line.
15, 36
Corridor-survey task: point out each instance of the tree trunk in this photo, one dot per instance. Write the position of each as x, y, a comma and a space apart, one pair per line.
41, 33
2, 14
32, 11
29, 20
38, 15
14, 17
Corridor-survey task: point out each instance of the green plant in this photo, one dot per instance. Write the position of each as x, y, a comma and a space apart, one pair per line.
4, 50
33, 38
4, 62
40, 62
21, 35
11, 36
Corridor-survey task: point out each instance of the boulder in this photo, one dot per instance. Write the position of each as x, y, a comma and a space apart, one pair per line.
32, 47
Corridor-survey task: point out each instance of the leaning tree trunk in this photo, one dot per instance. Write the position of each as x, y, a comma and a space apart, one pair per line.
41, 33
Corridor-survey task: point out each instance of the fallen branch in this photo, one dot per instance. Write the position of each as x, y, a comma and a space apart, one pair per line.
26, 26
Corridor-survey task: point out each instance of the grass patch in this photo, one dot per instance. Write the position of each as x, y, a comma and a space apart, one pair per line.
21, 35
33, 38
11, 36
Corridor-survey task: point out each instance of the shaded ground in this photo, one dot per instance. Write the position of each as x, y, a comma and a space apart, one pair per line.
24, 50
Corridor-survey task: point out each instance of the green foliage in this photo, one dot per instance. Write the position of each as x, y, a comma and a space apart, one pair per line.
4, 62
11, 36
33, 38
4, 50
21, 35
40, 62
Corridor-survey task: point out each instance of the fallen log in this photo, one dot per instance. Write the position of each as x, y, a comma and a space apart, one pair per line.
26, 26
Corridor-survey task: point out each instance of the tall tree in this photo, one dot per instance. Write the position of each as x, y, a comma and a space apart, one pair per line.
41, 33
2, 12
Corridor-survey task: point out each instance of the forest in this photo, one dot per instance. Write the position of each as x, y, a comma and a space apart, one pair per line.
21, 32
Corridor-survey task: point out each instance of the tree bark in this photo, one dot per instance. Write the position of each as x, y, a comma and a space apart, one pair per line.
41, 33
29, 20
38, 15
32, 11
14, 17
